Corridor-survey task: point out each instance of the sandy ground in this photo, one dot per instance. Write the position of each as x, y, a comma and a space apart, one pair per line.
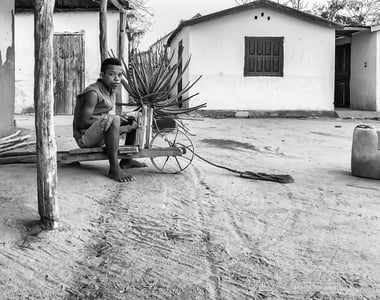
204, 233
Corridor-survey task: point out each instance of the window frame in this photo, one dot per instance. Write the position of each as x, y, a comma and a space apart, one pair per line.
249, 39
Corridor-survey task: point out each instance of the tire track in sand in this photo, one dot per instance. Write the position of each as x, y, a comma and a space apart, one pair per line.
151, 243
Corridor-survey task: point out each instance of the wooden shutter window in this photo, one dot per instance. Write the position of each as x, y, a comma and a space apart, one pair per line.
264, 56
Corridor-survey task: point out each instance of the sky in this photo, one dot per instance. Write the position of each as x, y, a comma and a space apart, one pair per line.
168, 14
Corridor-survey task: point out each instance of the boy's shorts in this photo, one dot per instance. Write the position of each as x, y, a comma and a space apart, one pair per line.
94, 135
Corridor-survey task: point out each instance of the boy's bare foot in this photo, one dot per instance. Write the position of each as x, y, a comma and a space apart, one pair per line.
130, 163
120, 176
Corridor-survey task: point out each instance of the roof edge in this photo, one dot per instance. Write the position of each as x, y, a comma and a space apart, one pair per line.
254, 4
375, 27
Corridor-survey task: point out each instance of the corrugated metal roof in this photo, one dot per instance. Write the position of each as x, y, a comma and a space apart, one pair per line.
62, 5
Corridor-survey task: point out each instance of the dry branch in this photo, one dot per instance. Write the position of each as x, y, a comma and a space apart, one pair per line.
14, 141
10, 136
18, 145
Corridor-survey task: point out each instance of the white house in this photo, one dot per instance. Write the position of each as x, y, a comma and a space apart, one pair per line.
7, 72
76, 50
365, 69
261, 57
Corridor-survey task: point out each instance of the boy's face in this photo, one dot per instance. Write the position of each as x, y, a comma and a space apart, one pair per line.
112, 76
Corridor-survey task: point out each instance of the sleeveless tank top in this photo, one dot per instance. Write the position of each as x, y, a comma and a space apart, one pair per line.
102, 107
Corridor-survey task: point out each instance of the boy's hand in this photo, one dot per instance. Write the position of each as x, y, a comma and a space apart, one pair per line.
127, 120
128, 128
134, 125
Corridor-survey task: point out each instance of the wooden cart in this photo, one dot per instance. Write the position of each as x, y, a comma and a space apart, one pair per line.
169, 149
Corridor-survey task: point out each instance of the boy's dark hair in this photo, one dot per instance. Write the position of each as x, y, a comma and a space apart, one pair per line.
109, 61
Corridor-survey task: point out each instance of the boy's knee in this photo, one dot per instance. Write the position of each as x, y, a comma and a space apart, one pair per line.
116, 120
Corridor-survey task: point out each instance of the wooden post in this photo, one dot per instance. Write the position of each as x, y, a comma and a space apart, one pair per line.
123, 25
142, 124
46, 147
121, 52
103, 29
149, 123
144, 130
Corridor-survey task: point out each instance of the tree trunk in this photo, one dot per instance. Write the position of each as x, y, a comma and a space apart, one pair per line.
44, 110
103, 29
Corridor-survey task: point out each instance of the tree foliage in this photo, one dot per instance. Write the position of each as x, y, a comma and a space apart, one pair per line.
139, 16
350, 12
139, 19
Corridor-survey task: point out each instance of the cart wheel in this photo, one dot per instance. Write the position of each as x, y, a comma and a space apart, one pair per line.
172, 164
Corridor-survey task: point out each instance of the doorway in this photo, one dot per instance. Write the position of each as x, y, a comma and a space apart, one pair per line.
342, 75
68, 71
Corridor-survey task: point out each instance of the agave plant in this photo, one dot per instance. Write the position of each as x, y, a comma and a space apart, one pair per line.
151, 80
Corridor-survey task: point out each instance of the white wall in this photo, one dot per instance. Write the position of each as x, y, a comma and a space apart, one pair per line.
184, 37
217, 49
6, 67
363, 71
70, 22
377, 33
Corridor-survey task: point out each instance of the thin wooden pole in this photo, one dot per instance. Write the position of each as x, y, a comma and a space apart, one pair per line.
46, 147
121, 52
149, 123
103, 29
123, 25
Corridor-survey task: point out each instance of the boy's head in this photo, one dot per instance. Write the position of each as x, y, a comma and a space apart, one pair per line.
111, 72
109, 62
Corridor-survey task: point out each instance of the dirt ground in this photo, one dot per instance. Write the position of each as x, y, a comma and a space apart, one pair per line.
205, 233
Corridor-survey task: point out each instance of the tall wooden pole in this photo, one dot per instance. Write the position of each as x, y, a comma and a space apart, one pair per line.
122, 29
44, 120
121, 52
103, 29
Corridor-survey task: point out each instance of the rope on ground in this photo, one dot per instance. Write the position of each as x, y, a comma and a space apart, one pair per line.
280, 178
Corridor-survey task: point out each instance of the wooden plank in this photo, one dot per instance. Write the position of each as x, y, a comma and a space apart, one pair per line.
65, 157
128, 149
122, 149
21, 159
70, 157
44, 111
18, 153
157, 152
87, 150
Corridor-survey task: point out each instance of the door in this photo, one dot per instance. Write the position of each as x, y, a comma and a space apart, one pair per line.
342, 75
68, 71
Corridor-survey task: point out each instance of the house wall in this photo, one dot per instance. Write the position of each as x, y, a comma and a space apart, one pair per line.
184, 36
377, 33
217, 49
364, 71
7, 73
88, 22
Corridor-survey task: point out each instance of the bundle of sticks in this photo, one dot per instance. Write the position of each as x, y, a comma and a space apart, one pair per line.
14, 141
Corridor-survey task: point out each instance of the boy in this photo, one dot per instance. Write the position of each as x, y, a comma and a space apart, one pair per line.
94, 126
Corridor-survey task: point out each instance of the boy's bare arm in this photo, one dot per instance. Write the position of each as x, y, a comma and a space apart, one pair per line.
86, 119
